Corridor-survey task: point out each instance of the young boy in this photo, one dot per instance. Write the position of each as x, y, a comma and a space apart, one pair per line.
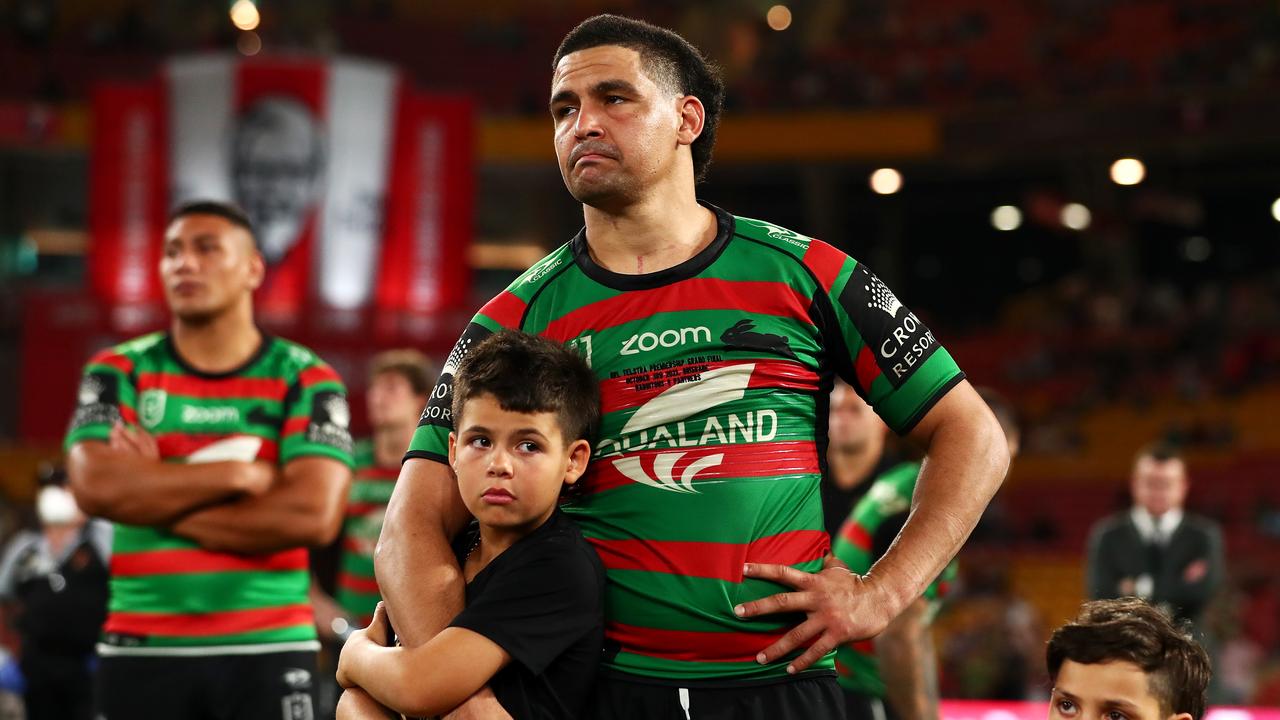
526, 410
1126, 657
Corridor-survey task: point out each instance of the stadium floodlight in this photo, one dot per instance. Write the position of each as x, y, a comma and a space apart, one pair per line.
1128, 171
886, 181
1006, 218
244, 15
1196, 249
1275, 209
249, 44
1076, 216
778, 17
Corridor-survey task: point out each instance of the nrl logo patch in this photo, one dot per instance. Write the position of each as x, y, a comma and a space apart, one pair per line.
151, 407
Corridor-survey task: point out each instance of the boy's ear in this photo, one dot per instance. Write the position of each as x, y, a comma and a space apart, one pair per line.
453, 448
579, 455
1181, 716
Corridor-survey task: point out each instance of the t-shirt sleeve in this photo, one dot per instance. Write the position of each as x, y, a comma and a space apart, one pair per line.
537, 608
317, 417
879, 346
106, 395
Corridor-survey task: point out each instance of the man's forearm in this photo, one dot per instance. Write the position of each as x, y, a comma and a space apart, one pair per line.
135, 490
966, 462
418, 576
908, 665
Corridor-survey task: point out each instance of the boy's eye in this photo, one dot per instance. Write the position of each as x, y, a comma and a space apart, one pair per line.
528, 446
1116, 715
1066, 707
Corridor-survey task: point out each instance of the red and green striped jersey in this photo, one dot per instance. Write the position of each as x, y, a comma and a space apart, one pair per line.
366, 506
714, 379
169, 595
863, 539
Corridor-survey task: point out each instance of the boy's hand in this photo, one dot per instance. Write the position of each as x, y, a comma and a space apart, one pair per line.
375, 634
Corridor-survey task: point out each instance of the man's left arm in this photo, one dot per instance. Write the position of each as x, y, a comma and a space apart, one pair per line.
1196, 583
967, 458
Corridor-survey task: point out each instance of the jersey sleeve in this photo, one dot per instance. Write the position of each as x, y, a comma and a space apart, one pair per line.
879, 346
107, 394
317, 417
431, 439
537, 608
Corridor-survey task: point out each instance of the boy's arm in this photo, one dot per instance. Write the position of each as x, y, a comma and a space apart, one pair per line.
426, 680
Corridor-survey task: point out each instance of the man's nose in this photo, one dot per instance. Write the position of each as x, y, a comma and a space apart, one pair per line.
588, 122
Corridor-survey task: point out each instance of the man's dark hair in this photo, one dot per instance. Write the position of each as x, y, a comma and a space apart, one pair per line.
1160, 451
225, 210
670, 61
408, 363
1131, 630
531, 374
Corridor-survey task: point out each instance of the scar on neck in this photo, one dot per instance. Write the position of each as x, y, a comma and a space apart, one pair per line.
639, 263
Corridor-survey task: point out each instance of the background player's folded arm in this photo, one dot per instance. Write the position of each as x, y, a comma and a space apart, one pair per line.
303, 507
126, 487
908, 665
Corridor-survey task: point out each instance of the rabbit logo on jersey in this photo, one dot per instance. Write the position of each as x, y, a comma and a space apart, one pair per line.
664, 420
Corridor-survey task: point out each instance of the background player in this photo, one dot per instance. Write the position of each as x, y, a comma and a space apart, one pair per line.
526, 410
1126, 658
896, 674
856, 453
220, 454
692, 318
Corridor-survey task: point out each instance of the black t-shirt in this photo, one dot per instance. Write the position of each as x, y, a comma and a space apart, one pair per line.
542, 601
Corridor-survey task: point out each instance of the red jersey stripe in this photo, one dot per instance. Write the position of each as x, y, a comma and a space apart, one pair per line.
825, 261
208, 624
617, 394
294, 425
720, 561
357, 584
128, 414
233, 388
181, 445
866, 369
164, 562
112, 359
743, 297
857, 535
690, 646
318, 374
506, 309
736, 461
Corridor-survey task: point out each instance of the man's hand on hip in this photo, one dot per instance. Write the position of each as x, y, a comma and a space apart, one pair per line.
841, 606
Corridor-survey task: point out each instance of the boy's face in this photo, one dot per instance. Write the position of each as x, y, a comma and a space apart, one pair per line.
511, 466
1114, 690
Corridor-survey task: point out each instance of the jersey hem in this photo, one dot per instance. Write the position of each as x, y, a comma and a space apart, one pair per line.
715, 682
105, 650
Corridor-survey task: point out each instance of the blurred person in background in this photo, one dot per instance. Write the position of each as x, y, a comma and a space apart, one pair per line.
1155, 550
896, 674
638, 291
220, 453
399, 384
53, 586
857, 451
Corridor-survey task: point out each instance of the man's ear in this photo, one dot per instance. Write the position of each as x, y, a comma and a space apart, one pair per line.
257, 270
692, 117
579, 456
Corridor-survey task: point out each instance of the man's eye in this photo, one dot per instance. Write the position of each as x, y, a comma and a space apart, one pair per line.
614, 99
479, 442
563, 111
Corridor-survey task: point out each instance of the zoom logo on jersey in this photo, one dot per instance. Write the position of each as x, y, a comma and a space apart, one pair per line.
897, 339
646, 341
196, 415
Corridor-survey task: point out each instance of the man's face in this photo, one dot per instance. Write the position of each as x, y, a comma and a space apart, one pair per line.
208, 265
511, 465
615, 128
1114, 690
853, 423
1159, 485
392, 401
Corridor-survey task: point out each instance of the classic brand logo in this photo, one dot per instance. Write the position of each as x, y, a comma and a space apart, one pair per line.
779, 233
151, 407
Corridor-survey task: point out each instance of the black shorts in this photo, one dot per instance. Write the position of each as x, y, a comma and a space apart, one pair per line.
860, 706
271, 686
815, 697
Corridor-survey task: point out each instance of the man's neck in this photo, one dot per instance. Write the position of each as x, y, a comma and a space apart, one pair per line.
390, 443
220, 343
849, 467
660, 232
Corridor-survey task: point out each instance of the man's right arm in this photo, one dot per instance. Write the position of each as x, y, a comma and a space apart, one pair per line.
1102, 579
136, 490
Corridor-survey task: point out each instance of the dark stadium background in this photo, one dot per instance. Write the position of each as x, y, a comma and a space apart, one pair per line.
1159, 319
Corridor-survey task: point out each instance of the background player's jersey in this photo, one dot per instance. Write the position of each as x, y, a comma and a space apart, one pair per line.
862, 540
169, 595
366, 506
714, 377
